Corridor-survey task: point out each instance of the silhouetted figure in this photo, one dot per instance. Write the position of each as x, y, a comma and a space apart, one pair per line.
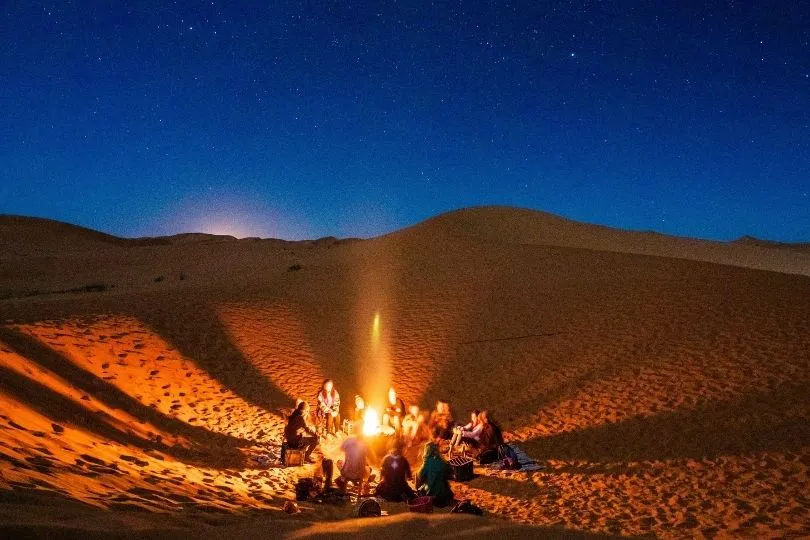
395, 473
298, 434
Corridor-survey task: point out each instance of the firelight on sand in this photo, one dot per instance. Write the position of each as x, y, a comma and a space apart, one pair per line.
371, 422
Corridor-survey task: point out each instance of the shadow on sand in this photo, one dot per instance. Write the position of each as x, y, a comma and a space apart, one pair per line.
777, 421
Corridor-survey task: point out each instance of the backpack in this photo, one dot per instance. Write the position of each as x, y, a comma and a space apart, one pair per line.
467, 507
508, 457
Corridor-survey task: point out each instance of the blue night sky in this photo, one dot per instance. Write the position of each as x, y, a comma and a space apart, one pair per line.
313, 118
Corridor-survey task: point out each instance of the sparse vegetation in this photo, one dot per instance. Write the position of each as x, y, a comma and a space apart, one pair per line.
182, 276
94, 287
158, 279
294, 268
89, 288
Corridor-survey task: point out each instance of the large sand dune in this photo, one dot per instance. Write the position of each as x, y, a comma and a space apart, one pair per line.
662, 381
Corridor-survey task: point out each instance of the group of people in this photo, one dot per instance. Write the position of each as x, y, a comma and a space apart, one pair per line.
432, 479
480, 436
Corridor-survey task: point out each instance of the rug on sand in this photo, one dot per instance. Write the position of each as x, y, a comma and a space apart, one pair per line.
527, 463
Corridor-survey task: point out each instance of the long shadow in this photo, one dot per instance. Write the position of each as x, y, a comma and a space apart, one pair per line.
61, 409
750, 424
104, 391
557, 312
198, 333
330, 334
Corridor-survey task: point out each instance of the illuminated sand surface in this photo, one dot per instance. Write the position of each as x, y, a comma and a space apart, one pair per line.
662, 381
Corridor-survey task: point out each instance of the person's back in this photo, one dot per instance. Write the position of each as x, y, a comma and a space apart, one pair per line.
433, 477
356, 456
292, 431
298, 434
395, 472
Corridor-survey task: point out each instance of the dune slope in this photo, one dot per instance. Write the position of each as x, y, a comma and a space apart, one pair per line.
664, 390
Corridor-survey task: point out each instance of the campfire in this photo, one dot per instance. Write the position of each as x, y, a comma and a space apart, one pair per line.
371, 422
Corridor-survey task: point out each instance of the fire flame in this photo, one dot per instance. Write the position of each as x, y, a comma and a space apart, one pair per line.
371, 422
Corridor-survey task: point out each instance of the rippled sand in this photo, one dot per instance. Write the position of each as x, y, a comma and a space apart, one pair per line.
662, 382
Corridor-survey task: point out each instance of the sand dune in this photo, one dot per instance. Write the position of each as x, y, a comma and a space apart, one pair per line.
661, 381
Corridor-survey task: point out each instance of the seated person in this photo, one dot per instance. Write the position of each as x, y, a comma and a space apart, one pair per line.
329, 407
298, 434
394, 412
441, 421
355, 465
489, 440
359, 411
433, 478
412, 425
395, 473
469, 434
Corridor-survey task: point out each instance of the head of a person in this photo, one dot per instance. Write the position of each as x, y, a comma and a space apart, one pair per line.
392, 396
328, 386
474, 416
431, 451
397, 447
414, 410
483, 417
359, 402
302, 407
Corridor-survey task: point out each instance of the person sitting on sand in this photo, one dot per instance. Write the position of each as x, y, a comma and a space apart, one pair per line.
394, 412
395, 473
412, 425
359, 411
354, 467
329, 407
298, 434
469, 434
441, 421
433, 478
489, 440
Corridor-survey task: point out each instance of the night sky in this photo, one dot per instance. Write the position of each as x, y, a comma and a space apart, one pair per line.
314, 118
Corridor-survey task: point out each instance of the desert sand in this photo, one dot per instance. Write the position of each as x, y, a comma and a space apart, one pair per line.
661, 381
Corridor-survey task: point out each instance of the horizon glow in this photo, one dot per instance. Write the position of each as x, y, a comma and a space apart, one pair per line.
303, 120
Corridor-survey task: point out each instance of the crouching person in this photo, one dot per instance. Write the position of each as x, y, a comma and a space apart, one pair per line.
354, 467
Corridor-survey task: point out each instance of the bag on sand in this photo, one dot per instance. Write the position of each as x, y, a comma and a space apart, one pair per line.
467, 507
508, 457
303, 488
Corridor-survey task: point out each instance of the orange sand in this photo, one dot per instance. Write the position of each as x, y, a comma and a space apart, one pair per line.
662, 381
